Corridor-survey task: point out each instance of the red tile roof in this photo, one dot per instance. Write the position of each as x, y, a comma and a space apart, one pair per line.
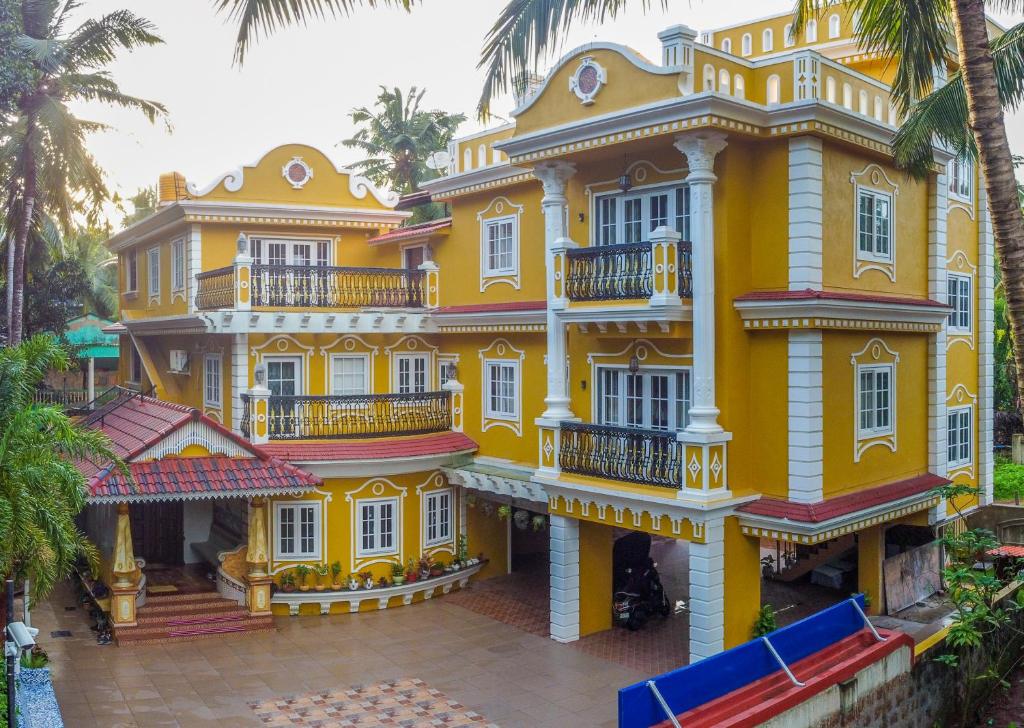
441, 443
844, 504
487, 307
201, 476
1010, 551
412, 231
809, 294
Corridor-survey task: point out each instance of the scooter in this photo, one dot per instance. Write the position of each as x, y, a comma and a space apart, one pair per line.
642, 597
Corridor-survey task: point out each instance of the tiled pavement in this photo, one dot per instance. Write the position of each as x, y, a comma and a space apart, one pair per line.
507, 676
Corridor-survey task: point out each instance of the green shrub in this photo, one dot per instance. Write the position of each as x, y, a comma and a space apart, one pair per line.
1009, 481
765, 621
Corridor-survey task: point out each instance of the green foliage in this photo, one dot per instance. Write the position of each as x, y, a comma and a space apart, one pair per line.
41, 490
765, 622
1009, 481
15, 69
143, 204
396, 137
54, 296
35, 658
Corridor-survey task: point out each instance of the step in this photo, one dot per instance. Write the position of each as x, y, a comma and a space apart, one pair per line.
170, 633
176, 598
160, 613
215, 619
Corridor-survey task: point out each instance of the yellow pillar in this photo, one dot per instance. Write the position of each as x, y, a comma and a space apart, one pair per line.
742, 583
595, 577
870, 553
487, 535
257, 555
124, 588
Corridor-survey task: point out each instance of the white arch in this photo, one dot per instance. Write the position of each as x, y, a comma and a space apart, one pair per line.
878, 108
481, 155
727, 45
723, 81
467, 159
862, 102
834, 26
767, 40
787, 36
709, 77
848, 96
774, 89
811, 31
746, 45
739, 87
830, 90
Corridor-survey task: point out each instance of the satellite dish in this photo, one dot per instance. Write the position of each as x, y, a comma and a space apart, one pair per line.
439, 161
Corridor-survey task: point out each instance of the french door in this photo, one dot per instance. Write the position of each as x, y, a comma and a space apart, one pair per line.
284, 380
626, 218
648, 399
291, 272
412, 373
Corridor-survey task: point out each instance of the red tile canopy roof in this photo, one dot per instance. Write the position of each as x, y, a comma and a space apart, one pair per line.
495, 307
845, 504
442, 443
176, 478
809, 294
412, 231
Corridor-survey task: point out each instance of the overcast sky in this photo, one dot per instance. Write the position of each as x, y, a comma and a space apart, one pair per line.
299, 84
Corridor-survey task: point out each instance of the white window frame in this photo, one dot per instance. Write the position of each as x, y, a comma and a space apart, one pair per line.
396, 376
431, 503
961, 179
153, 281
489, 412
873, 255
617, 200
621, 372
954, 324
443, 362
396, 527
218, 361
258, 245
788, 40
868, 433
297, 555
811, 31
767, 40
485, 251
178, 265
131, 274
726, 45
364, 359
959, 413
746, 44
835, 26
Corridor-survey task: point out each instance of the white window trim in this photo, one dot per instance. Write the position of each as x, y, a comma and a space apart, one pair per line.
427, 498
178, 264
960, 330
488, 412
219, 358
954, 194
428, 373
875, 432
365, 358
872, 257
153, 282
598, 369
131, 262
396, 519
645, 192
485, 225
969, 462
317, 530
291, 241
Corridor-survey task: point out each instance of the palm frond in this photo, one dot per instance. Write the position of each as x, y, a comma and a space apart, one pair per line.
256, 18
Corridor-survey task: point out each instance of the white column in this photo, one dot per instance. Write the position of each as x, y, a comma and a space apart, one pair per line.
91, 384
553, 176
986, 353
937, 385
239, 378
707, 592
805, 204
700, 150
565, 578
195, 265
806, 416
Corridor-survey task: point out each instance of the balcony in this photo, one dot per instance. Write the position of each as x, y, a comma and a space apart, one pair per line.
313, 417
629, 454
303, 287
621, 272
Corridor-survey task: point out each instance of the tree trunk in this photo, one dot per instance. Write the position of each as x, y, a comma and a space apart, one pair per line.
989, 129
17, 276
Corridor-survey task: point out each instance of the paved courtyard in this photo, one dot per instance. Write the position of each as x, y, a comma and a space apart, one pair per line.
426, 662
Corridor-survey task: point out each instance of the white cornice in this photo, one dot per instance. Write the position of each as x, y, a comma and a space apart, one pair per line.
484, 318
480, 176
818, 308
378, 466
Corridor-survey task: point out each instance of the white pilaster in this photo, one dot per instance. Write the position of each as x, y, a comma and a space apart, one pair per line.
700, 150
806, 417
239, 378
937, 386
195, 265
553, 176
805, 204
565, 578
986, 353
707, 592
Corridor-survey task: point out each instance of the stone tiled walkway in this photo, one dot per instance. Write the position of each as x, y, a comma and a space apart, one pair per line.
506, 676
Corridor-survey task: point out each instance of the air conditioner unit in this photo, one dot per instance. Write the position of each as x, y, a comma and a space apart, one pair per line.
179, 361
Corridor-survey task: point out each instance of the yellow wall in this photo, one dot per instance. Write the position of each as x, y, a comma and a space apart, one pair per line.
742, 583
596, 543
487, 535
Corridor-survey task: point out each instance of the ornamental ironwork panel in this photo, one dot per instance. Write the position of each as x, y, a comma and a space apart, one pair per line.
321, 286
608, 272
685, 269
312, 417
216, 289
630, 454
244, 426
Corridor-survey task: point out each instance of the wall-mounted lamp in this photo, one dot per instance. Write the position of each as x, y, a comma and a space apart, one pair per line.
580, 217
634, 364
625, 182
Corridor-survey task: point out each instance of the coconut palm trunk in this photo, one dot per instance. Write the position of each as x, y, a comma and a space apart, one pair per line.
17, 275
989, 130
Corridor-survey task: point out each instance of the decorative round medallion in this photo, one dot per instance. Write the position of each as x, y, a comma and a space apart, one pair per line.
641, 352
876, 352
297, 172
378, 489
500, 349
640, 174
349, 344
588, 80
499, 207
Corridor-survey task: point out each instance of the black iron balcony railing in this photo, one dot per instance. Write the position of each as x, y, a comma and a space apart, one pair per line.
216, 289
318, 286
634, 455
311, 417
617, 272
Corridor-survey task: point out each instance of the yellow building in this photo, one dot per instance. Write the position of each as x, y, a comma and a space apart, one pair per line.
691, 297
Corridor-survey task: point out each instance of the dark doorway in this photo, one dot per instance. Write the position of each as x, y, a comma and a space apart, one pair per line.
530, 541
414, 257
158, 534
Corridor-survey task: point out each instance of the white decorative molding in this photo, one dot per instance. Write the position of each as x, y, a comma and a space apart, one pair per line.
296, 172
526, 490
378, 491
194, 433
588, 80
961, 397
806, 417
348, 347
502, 350
805, 213
498, 208
284, 345
437, 482
707, 592
875, 352
638, 347
564, 535
986, 335
874, 179
958, 264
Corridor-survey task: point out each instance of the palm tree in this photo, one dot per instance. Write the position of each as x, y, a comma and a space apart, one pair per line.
262, 17
41, 490
989, 76
397, 137
85, 246
47, 167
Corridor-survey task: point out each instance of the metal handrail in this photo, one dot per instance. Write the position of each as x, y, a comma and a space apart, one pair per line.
631, 454
322, 286
782, 663
867, 622
663, 703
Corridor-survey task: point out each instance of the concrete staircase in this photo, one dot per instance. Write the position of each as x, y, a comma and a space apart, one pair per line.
185, 617
810, 558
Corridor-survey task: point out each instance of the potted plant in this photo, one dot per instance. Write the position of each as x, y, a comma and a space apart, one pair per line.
398, 574
437, 568
424, 567
335, 576
504, 512
383, 582
462, 550
367, 579
353, 582
288, 582
322, 570
302, 571
412, 572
